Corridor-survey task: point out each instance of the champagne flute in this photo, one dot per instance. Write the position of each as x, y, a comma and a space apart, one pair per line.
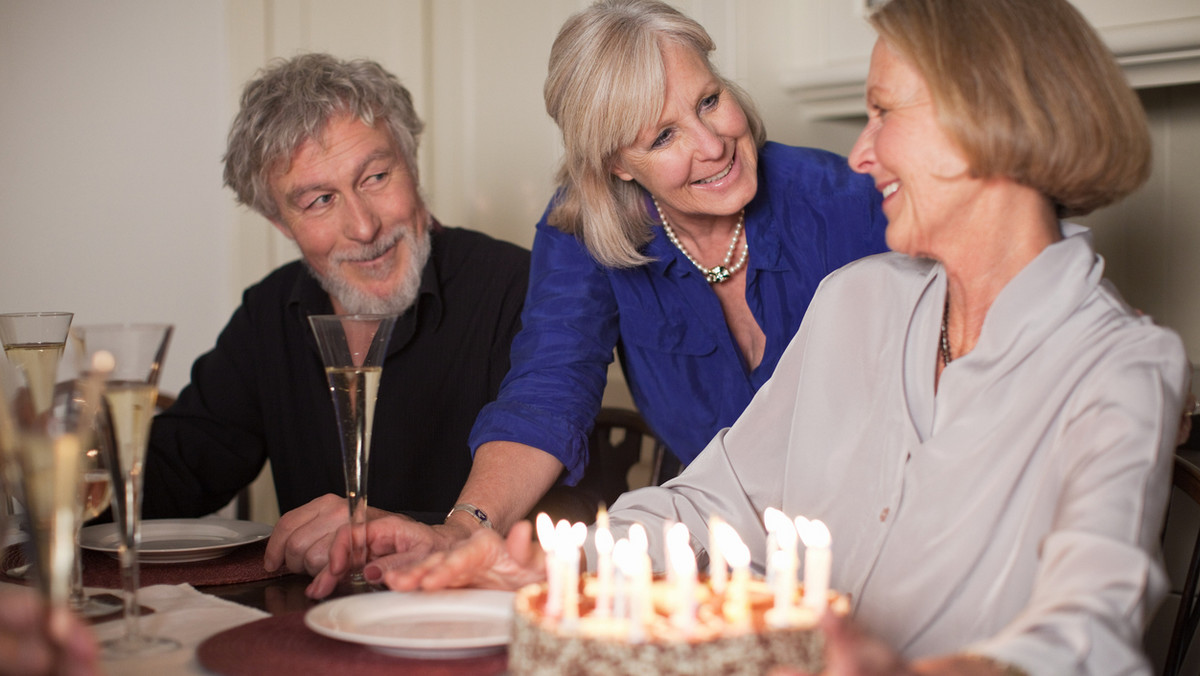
48, 445
132, 387
352, 349
94, 497
34, 341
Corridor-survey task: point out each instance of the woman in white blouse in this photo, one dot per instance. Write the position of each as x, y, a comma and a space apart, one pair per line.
981, 421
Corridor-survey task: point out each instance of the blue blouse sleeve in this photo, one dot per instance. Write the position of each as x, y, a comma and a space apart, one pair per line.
560, 358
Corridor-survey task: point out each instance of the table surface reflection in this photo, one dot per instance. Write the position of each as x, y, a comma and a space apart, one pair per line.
283, 645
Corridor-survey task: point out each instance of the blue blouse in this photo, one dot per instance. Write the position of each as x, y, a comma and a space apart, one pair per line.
688, 377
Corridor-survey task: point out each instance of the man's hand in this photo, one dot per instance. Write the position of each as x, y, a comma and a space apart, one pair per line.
302, 538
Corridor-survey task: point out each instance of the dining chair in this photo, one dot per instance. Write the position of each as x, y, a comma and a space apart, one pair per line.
1186, 478
614, 447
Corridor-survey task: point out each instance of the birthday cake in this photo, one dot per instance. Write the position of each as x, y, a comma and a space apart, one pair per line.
710, 641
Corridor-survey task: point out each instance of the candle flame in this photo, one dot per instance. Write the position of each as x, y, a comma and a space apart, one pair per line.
816, 534
637, 538
781, 527
683, 559
545, 531
577, 534
604, 541
734, 550
801, 525
623, 556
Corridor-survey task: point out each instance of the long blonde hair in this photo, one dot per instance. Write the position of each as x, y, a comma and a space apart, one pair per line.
606, 83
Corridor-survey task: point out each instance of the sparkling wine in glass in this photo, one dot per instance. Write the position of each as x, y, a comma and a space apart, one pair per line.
34, 342
352, 349
129, 396
94, 497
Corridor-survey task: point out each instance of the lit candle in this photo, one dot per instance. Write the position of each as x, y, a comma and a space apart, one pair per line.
670, 570
570, 541
622, 555
629, 569
548, 541
818, 561
641, 602
604, 565
683, 563
782, 562
737, 599
717, 571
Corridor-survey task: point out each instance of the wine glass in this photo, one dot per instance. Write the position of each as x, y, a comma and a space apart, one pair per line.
94, 497
47, 446
34, 341
129, 395
352, 349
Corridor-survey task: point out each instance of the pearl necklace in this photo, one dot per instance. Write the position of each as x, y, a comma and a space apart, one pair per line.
717, 273
945, 344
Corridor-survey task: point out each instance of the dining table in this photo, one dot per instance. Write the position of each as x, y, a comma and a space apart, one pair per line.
231, 616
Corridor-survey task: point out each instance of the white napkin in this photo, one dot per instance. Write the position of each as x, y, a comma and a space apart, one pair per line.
181, 613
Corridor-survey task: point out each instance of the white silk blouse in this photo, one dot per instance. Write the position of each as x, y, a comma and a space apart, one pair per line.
1015, 513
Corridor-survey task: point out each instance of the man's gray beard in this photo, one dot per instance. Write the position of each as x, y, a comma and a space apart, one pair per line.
355, 301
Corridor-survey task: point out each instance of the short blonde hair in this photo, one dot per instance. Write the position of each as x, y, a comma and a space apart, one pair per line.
1028, 90
606, 83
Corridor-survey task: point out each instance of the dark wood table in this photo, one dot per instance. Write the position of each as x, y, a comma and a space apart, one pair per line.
282, 645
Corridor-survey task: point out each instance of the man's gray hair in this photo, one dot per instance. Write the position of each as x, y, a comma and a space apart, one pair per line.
291, 102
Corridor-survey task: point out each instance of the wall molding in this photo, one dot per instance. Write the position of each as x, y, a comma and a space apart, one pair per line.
1153, 54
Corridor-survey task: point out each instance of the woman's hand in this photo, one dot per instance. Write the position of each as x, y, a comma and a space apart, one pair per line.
484, 560
851, 651
392, 540
407, 555
29, 645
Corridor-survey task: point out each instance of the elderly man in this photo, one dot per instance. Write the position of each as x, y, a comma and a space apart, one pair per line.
326, 151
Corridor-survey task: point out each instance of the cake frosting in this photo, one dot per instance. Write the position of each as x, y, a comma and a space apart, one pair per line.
708, 644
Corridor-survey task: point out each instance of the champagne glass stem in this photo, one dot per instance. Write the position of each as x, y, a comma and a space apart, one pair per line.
127, 551
354, 392
358, 538
78, 599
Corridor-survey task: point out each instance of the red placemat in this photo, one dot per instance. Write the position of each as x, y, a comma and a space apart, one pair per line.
243, 564
282, 644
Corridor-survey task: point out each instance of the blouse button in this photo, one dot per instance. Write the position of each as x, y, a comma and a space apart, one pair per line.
884, 514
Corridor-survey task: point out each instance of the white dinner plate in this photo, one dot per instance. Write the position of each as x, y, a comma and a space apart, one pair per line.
440, 624
178, 540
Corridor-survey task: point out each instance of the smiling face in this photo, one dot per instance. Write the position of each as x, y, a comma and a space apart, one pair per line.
351, 205
926, 183
700, 159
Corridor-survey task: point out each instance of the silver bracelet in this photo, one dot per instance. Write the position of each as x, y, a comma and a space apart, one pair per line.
480, 515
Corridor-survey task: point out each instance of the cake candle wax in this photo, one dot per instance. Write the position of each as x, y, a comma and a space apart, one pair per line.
736, 608
570, 541
547, 539
641, 603
622, 555
782, 563
818, 562
718, 572
683, 563
604, 565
